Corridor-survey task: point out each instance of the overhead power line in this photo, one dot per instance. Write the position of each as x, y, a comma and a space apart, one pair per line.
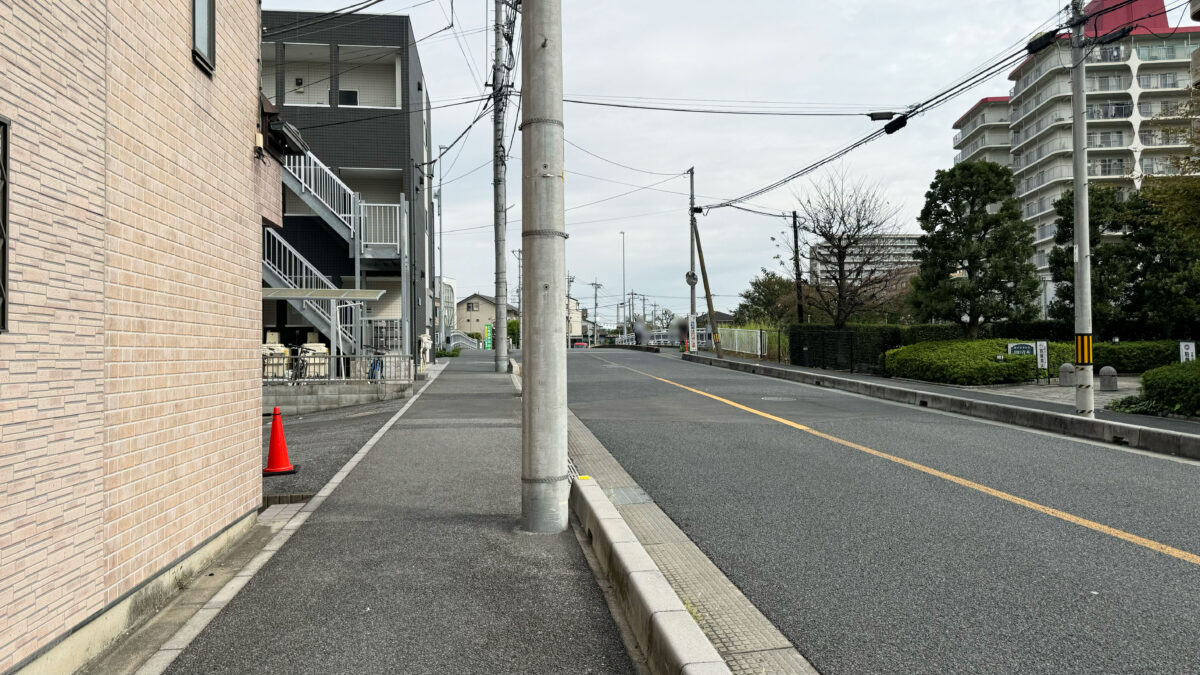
717, 111
329, 16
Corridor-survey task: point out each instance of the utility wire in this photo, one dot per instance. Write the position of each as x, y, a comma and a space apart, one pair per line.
395, 114
715, 111
327, 17
623, 166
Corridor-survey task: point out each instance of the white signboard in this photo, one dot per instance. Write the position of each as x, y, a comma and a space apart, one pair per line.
1021, 348
1043, 354
1187, 351
691, 332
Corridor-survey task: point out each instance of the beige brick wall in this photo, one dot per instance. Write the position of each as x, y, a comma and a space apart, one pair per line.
51, 361
129, 383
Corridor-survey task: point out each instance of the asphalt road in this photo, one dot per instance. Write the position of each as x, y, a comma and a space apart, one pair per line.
870, 565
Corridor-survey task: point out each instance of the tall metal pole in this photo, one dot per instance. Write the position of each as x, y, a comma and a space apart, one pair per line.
595, 308
545, 483
624, 314
443, 328
500, 176
1085, 396
692, 233
712, 315
520, 306
570, 281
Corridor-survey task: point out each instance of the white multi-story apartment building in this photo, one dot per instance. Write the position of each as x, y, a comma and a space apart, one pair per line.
1135, 88
983, 133
889, 253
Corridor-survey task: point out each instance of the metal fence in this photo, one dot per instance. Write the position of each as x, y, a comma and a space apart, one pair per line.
320, 368
850, 350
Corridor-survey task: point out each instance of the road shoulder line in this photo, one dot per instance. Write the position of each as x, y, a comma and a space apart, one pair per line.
1144, 438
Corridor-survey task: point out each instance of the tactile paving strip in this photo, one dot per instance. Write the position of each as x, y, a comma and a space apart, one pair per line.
747, 641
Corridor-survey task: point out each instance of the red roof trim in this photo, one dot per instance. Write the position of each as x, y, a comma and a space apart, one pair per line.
981, 102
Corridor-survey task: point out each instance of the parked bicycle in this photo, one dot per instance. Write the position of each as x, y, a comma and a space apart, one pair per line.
300, 362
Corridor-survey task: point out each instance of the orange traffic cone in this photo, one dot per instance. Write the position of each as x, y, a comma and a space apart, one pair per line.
277, 456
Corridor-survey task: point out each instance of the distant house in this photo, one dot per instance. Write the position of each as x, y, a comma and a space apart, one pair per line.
477, 310
723, 319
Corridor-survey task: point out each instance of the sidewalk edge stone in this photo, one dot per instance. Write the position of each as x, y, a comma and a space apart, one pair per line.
667, 633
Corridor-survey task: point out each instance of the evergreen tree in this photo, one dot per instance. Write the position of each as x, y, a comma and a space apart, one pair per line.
974, 256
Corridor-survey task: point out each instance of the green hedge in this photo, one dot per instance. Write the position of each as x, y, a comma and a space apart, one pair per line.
1136, 357
1174, 388
967, 362
973, 362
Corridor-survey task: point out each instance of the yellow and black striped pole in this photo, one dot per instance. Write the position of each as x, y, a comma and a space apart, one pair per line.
1084, 351
1085, 396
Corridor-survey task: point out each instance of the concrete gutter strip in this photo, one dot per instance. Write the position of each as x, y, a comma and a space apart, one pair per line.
665, 630
1144, 438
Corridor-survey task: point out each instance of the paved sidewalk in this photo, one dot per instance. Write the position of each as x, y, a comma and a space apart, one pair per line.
414, 565
1037, 397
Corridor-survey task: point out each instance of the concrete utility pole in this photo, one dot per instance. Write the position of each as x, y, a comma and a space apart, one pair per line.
545, 482
1085, 396
712, 315
692, 235
520, 306
500, 177
595, 308
439, 329
796, 267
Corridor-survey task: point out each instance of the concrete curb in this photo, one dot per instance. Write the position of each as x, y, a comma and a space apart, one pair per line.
664, 629
634, 348
1143, 438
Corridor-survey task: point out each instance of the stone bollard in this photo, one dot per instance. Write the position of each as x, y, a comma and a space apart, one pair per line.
1108, 378
1066, 375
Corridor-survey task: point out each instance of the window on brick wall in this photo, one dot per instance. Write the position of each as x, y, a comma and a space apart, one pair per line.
4, 124
204, 34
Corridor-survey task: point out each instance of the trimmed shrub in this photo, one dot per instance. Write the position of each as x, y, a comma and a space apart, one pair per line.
965, 362
930, 332
1174, 388
1135, 357
973, 362
1031, 330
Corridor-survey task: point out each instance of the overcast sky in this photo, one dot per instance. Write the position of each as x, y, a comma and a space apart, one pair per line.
856, 53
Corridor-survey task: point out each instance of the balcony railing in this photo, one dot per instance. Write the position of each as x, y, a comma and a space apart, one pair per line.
1114, 111
977, 122
1108, 168
383, 225
1096, 84
1109, 54
1152, 139
1041, 152
1042, 178
1166, 53
1163, 81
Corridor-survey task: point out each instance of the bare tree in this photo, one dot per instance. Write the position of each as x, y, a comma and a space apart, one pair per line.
848, 240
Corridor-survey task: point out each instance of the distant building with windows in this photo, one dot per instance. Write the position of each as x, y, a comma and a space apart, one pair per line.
1135, 88
887, 253
477, 310
358, 208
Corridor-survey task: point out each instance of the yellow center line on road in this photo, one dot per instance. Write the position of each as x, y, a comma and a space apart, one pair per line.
1156, 546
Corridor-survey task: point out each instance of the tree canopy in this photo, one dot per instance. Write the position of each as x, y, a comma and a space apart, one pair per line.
974, 256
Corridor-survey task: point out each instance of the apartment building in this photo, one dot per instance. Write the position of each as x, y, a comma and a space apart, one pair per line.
134, 186
447, 310
983, 133
887, 253
358, 207
1135, 88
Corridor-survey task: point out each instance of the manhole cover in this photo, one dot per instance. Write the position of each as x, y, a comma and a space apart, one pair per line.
778, 398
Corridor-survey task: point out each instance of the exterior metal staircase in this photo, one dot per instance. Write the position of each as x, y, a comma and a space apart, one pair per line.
379, 229
284, 267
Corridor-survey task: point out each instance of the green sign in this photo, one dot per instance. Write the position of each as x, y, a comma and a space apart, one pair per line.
487, 336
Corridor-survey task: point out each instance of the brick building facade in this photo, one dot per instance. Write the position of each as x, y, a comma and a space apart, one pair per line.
129, 370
